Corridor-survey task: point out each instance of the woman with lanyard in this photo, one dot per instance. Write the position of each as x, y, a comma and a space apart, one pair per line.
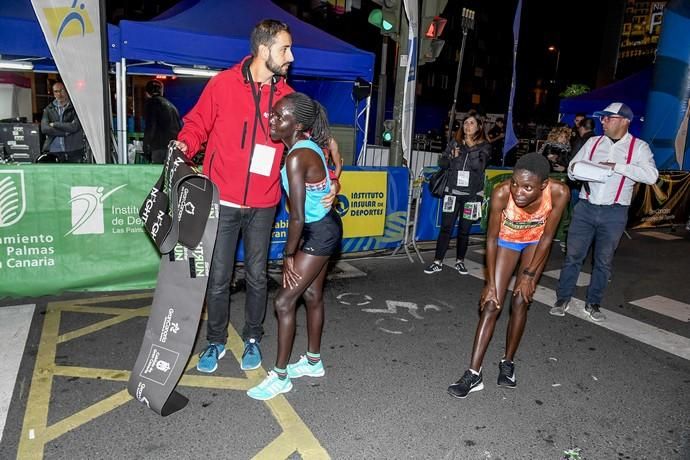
469, 154
314, 234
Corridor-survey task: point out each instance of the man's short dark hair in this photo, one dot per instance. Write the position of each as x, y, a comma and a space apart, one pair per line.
265, 32
154, 87
587, 123
536, 163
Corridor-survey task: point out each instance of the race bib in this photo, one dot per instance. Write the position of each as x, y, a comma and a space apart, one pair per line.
262, 160
448, 203
472, 210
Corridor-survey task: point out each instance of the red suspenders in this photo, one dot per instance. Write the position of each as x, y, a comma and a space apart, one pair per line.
620, 186
630, 153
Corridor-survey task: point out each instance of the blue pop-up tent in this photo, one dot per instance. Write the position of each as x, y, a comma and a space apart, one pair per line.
215, 33
21, 36
632, 90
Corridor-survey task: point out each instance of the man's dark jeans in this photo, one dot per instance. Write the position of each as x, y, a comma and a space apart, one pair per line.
254, 224
601, 226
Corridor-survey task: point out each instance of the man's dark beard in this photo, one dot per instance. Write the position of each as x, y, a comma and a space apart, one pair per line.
273, 67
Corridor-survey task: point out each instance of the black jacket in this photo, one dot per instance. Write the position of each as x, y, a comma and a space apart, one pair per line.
559, 154
69, 128
577, 144
473, 159
162, 123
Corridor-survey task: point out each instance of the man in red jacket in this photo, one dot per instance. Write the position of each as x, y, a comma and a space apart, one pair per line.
231, 116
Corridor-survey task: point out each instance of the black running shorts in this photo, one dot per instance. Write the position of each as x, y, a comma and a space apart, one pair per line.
322, 238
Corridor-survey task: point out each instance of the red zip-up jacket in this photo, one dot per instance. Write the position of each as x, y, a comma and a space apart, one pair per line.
225, 118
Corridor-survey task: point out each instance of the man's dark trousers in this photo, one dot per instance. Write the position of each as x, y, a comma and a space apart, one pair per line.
73, 156
158, 156
603, 226
254, 225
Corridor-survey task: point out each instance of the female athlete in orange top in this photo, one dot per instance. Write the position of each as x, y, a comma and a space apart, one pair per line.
524, 215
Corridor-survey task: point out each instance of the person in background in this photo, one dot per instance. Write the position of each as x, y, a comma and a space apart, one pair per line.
314, 234
449, 136
60, 124
556, 149
601, 213
496, 137
334, 159
585, 130
523, 217
162, 123
576, 122
231, 116
466, 157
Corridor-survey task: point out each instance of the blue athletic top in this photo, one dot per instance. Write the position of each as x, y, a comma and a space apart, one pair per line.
313, 209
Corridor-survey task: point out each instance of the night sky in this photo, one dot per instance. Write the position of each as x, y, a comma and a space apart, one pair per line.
579, 34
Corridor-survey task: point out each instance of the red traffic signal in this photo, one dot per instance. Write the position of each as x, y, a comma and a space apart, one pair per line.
436, 27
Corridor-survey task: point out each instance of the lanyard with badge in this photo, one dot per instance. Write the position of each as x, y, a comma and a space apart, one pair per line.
263, 155
463, 180
464, 175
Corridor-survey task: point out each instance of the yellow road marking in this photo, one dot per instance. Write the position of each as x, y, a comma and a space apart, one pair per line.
91, 373
120, 318
36, 433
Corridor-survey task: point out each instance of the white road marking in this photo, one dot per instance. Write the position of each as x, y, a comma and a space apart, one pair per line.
390, 331
661, 235
582, 279
366, 299
15, 321
665, 306
637, 330
392, 307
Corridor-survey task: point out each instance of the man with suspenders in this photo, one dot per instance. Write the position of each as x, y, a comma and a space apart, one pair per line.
601, 214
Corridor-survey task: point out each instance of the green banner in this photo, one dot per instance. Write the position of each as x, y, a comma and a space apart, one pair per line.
77, 227
66, 227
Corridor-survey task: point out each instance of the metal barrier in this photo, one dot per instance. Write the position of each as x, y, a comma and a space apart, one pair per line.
414, 199
379, 155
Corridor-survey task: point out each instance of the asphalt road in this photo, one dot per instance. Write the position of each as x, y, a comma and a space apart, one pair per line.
394, 340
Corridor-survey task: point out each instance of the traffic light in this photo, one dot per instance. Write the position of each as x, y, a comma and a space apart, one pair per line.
430, 30
387, 135
386, 18
431, 45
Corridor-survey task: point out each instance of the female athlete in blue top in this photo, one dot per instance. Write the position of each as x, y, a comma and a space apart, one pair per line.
314, 234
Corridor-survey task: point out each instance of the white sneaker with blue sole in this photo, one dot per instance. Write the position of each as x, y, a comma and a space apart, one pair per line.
271, 387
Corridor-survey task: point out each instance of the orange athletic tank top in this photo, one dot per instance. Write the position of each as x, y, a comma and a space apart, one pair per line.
518, 226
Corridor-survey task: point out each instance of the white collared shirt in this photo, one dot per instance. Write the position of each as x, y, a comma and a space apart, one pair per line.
640, 169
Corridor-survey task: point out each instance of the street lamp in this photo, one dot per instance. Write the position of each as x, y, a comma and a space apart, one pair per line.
467, 24
554, 49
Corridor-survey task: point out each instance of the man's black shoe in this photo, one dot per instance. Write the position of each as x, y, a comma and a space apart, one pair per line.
506, 374
592, 309
468, 383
